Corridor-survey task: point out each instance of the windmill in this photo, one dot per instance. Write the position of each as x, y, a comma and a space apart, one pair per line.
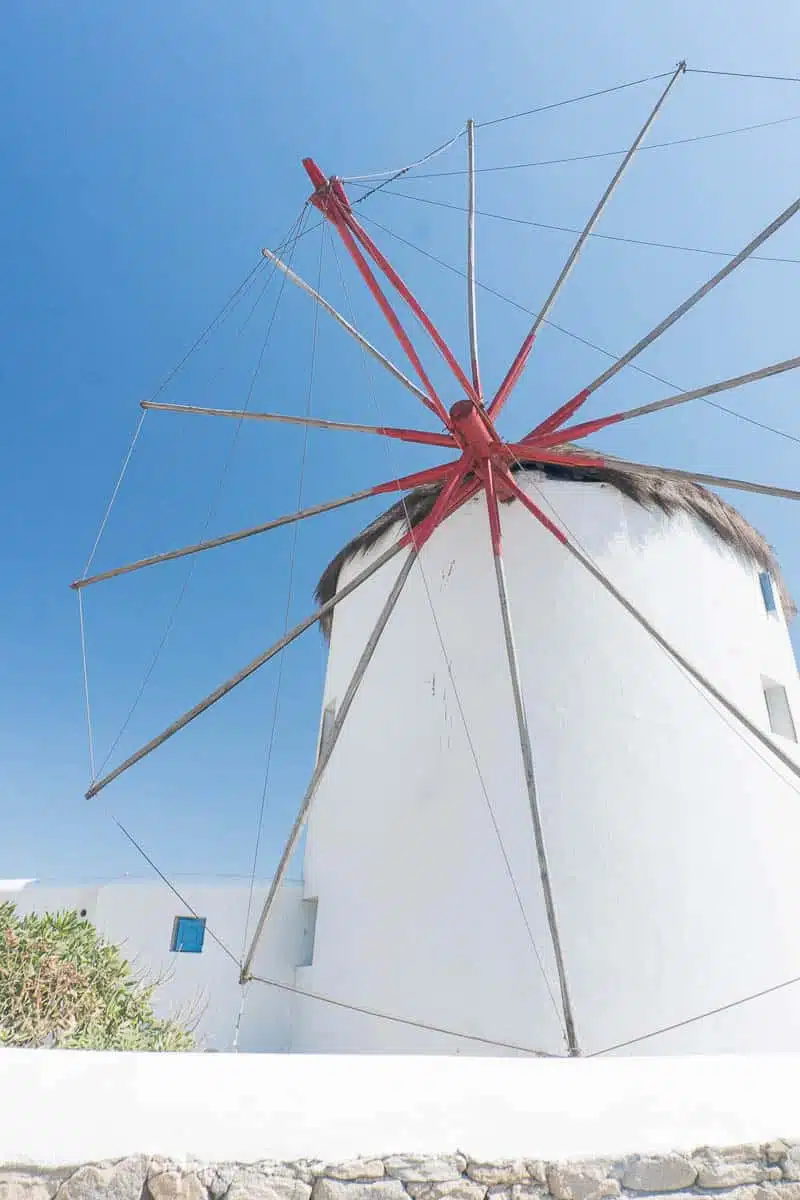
490, 495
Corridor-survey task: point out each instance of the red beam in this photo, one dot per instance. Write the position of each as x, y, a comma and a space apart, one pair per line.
514, 372
537, 512
413, 303
557, 418
418, 479
533, 452
571, 433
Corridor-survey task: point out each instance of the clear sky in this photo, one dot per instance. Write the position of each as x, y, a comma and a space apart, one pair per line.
147, 153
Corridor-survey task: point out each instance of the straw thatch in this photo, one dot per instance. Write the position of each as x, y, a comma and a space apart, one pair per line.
644, 487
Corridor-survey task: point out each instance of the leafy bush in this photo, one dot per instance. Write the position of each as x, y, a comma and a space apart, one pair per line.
62, 986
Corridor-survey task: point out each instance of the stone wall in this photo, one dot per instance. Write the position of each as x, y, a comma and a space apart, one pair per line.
749, 1172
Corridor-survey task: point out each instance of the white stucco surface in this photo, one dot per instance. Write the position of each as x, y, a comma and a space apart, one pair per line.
673, 840
69, 1107
138, 916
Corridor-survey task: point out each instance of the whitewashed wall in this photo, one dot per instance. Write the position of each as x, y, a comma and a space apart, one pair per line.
70, 1107
139, 916
674, 847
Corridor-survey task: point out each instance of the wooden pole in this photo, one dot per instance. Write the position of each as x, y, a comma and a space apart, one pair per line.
712, 389
526, 747
740, 485
405, 435
519, 363
472, 303
245, 673
695, 298
325, 756
337, 316
225, 540
785, 759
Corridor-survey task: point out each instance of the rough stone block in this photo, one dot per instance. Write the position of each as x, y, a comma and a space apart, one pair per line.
658, 1173
451, 1189
537, 1170
581, 1181
529, 1191
498, 1174
254, 1184
728, 1170
418, 1168
20, 1185
355, 1168
308, 1169
122, 1180
218, 1178
379, 1189
791, 1164
775, 1152
175, 1185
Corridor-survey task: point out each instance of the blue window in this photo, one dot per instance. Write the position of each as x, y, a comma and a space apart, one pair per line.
767, 591
188, 935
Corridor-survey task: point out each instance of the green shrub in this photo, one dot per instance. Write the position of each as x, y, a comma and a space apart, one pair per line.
62, 986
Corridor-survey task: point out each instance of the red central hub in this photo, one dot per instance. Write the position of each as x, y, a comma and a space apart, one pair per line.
474, 431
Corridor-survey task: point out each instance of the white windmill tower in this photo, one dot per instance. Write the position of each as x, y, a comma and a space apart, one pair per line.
555, 808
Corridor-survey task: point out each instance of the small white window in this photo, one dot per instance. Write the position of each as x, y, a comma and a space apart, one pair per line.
328, 719
767, 591
780, 714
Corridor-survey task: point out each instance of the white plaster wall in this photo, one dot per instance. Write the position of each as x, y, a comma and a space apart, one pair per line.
139, 916
674, 848
73, 1107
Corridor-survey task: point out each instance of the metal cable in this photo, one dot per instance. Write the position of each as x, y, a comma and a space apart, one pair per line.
744, 75
550, 162
383, 1016
583, 341
711, 1012
701, 691
227, 308
289, 597
528, 112
290, 240
164, 879
606, 237
285, 987
398, 171
545, 500
462, 714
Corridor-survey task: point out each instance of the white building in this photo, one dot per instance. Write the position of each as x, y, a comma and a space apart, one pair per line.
673, 838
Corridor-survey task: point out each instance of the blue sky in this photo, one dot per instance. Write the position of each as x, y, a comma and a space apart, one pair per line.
147, 153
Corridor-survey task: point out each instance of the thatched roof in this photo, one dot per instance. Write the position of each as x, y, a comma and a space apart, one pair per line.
644, 487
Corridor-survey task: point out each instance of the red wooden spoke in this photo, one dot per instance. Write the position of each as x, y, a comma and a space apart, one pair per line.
391, 316
571, 433
418, 479
422, 436
514, 372
420, 534
537, 512
557, 418
418, 436
413, 303
331, 200
533, 452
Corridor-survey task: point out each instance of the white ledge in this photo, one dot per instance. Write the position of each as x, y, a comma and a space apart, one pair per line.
64, 1107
